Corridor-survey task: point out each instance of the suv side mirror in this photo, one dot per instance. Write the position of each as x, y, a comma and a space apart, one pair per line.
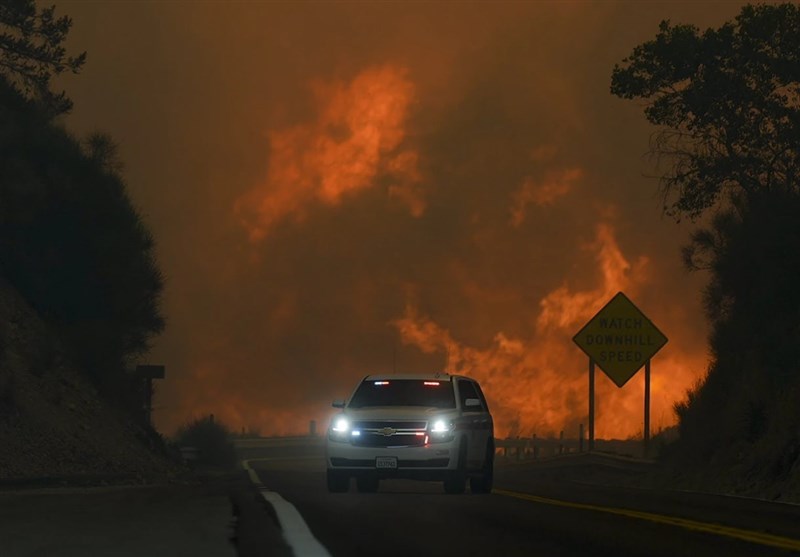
472, 403
340, 403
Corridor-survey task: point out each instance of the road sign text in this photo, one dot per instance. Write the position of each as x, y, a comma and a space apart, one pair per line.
620, 339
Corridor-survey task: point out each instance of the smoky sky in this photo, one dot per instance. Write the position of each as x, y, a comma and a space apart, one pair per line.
338, 189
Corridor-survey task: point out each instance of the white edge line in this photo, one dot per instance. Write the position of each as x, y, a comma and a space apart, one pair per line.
251, 473
295, 530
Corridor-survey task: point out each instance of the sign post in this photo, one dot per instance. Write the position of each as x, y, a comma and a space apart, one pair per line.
591, 404
647, 408
620, 339
148, 373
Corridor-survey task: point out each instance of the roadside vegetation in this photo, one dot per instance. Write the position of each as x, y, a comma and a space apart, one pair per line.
726, 106
212, 441
71, 242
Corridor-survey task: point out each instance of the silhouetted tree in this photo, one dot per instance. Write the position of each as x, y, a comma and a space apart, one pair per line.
32, 52
752, 252
103, 149
727, 103
72, 243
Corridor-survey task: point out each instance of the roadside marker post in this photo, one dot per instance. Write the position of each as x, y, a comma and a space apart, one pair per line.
148, 373
647, 408
591, 404
620, 340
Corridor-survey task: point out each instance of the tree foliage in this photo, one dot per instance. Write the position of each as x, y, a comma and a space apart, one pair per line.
752, 251
727, 106
32, 52
727, 103
71, 241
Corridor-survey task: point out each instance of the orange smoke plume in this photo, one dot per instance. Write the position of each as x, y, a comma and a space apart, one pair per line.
555, 184
540, 385
357, 138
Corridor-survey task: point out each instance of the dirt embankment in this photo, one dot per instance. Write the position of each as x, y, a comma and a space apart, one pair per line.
53, 423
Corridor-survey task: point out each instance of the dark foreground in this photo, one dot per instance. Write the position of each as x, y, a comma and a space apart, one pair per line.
573, 506
191, 519
535, 510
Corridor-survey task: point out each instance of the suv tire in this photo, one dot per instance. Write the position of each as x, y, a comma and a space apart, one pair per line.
456, 483
484, 482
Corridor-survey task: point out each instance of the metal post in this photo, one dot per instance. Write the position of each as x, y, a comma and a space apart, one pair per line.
646, 408
148, 373
580, 438
591, 404
148, 400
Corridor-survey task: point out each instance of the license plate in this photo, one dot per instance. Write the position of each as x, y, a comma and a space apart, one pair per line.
386, 462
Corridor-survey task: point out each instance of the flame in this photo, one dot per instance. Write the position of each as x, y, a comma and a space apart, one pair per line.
534, 385
358, 137
542, 194
540, 385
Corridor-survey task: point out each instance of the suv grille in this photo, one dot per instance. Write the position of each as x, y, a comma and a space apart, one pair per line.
389, 434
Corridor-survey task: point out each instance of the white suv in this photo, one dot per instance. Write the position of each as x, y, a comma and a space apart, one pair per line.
425, 427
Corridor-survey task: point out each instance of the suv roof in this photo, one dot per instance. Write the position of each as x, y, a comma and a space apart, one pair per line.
431, 376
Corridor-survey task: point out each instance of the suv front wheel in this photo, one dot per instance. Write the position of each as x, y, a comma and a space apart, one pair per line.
484, 482
457, 481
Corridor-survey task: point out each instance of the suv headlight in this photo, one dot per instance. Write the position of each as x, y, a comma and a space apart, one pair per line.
340, 428
441, 430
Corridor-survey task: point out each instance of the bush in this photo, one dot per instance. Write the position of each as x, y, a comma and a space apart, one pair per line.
72, 243
212, 440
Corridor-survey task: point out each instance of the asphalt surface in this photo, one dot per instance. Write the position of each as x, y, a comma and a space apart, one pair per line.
126, 521
534, 510
576, 506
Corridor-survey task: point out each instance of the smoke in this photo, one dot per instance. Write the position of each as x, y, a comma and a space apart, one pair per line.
542, 194
538, 384
349, 188
354, 142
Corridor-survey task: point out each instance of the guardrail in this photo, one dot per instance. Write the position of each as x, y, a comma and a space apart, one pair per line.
519, 448
531, 448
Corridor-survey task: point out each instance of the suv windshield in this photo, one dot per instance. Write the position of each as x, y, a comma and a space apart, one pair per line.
404, 392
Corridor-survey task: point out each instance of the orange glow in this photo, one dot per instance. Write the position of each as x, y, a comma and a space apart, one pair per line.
357, 138
539, 385
544, 193
534, 383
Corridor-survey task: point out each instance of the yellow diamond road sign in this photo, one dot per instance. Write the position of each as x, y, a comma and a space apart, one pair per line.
620, 339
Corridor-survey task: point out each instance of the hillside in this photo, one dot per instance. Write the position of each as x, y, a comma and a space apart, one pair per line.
53, 423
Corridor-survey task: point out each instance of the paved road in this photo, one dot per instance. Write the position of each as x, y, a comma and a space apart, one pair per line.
149, 521
533, 511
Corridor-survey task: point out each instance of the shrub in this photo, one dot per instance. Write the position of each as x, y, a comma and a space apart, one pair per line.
212, 440
73, 244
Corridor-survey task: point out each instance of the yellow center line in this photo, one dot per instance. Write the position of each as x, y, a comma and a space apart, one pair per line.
718, 529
